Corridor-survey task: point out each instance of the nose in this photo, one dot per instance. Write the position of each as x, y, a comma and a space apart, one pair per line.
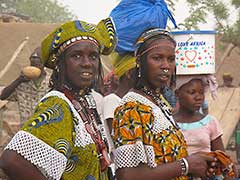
165, 64
86, 62
199, 97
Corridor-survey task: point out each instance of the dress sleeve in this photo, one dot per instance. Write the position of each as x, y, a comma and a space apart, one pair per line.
132, 135
46, 138
215, 129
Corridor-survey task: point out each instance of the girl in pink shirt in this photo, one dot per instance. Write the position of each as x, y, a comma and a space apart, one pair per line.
202, 132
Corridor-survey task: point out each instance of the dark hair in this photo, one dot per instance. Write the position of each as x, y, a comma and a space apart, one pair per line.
57, 79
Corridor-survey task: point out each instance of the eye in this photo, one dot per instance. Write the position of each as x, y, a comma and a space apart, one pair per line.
191, 92
156, 58
94, 57
202, 92
76, 56
172, 59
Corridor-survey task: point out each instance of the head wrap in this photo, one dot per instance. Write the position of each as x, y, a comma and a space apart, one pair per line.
122, 63
131, 18
227, 76
69, 33
209, 82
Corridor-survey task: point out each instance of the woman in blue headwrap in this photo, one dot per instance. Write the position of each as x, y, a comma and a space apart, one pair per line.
148, 142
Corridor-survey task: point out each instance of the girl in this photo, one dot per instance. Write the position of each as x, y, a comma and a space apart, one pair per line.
202, 132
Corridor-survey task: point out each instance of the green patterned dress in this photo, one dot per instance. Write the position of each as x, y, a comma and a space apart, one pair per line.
55, 140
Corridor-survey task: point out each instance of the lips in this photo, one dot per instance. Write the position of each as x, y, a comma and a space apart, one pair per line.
164, 77
86, 75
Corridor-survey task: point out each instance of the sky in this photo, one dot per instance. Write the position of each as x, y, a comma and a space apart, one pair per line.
93, 11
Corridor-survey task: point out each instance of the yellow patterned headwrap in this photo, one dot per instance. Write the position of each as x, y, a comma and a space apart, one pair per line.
122, 63
60, 39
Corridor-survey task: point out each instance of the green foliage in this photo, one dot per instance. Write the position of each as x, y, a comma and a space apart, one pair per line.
41, 11
7, 6
236, 3
199, 11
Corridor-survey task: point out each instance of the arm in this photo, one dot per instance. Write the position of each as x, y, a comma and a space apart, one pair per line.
16, 167
134, 149
217, 144
197, 167
7, 91
109, 124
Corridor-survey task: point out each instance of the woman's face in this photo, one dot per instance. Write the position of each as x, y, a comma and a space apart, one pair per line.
81, 64
191, 95
160, 62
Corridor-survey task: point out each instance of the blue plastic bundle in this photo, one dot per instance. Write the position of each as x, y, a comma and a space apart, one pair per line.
132, 17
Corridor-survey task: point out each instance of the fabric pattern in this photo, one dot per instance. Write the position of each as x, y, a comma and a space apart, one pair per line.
142, 134
32, 149
71, 32
66, 136
122, 63
207, 130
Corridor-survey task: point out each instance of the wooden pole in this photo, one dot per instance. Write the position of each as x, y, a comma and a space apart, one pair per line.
15, 54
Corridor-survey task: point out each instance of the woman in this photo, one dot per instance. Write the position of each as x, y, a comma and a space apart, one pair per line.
149, 144
63, 139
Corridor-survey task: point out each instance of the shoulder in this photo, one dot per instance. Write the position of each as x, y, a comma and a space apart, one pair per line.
111, 98
97, 96
134, 102
53, 108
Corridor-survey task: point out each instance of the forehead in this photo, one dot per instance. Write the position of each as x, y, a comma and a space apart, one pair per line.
83, 46
163, 42
193, 82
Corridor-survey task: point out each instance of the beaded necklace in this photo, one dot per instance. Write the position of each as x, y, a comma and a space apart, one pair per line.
159, 100
85, 105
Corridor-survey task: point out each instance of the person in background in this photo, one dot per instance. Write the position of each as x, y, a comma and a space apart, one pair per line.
27, 92
64, 138
227, 80
148, 142
202, 132
123, 67
110, 82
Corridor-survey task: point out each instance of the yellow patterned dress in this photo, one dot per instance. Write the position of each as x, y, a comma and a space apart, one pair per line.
55, 140
143, 133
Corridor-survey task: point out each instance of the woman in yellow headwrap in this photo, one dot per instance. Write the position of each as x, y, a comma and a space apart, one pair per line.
64, 139
123, 67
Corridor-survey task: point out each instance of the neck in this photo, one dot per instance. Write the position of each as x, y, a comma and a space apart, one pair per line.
123, 88
76, 92
186, 112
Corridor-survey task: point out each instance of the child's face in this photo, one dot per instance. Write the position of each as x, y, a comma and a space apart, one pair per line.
191, 95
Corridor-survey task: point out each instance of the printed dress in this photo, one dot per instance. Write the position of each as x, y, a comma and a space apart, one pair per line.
55, 140
143, 133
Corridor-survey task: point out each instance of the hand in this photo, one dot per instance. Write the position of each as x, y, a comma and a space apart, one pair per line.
199, 165
23, 78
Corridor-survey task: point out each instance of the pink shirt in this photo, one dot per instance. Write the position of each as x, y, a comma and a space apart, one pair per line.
200, 134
